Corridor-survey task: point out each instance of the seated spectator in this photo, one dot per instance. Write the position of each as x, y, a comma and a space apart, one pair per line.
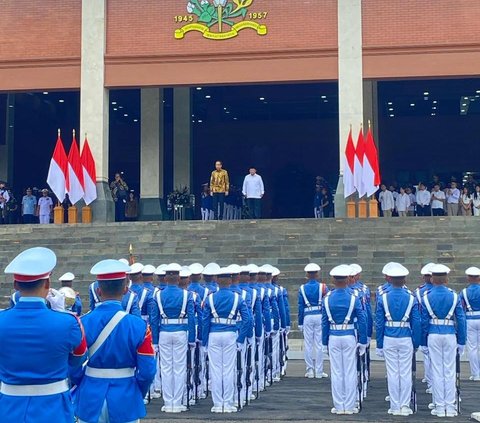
453, 198
413, 202
466, 202
386, 201
476, 201
29, 206
402, 203
438, 201
423, 198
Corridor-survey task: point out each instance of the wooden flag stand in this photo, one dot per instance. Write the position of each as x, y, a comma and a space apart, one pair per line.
373, 207
351, 209
58, 214
72, 214
86, 214
362, 208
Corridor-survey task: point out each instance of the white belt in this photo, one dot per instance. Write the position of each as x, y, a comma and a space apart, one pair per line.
391, 324
473, 313
110, 373
334, 326
224, 321
144, 317
441, 322
35, 390
172, 321
313, 308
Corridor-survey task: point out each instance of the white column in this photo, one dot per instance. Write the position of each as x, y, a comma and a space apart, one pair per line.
6, 150
350, 82
181, 138
151, 153
370, 106
94, 99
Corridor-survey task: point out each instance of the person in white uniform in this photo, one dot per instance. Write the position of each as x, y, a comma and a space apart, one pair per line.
341, 307
310, 296
398, 330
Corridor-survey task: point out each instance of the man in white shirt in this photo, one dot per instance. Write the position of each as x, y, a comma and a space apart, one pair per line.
253, 190
423, 201
402, 203
438, 198
386, 201
413, 202
4, 199
453, 197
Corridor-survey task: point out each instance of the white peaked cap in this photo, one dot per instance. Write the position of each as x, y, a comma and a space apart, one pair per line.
211, 269
341, 271
426, 269
160, 270
173, 267
356, 269
32, 265
266, 268
396, 270
276, 271
196, 269
124, 261
440, 269
110, 270
312, 267
253, 269
185, 272
135, 268
66, 277
148, 269
385, 269
234, 269
472, 271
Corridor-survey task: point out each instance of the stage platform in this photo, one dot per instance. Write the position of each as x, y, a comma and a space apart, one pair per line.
309, 400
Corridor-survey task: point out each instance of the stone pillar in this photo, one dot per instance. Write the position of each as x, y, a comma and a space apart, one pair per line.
370, 106
350, 83
94, 101
151, 154
182, 173
6, 150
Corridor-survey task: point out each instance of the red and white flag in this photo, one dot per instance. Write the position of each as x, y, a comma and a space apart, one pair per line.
89, 174
358, 167
75, 173
371, 169
348, 182
58, 170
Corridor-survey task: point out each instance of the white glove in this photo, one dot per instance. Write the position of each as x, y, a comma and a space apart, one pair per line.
379, 352
325, 349
56, 300
287, 329
424, 350
369, 339
461, 349
300, 328
192, 344
156, 348
362, 348
239, 346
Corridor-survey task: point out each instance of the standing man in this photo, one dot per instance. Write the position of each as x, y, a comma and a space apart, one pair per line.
310, 296
219, 187
444, 334
341, 308
36, 389
253, 190
29, 205
453, 198
423, 199
386, 200
119, 190
438, 200
121, 363
4, 199
44, 207
398, 329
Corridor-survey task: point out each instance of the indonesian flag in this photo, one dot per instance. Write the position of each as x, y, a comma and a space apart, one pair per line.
348, 183
58, 170
358, 167
75, 173
371, 169
89, 174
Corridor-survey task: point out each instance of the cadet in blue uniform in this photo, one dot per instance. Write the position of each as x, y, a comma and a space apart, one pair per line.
222, 339
129, 299
398, 329
471, 303
67, 281
286, 306
173, 336
121, 364
147, 277
364, 292
144, 294
310, 296
160, 273
37, 347
443, 336
340, 308
209, 274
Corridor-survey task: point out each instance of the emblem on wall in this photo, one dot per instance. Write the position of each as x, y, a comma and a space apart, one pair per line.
220, 19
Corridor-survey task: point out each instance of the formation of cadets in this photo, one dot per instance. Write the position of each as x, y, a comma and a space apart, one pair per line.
433, 318
223, 332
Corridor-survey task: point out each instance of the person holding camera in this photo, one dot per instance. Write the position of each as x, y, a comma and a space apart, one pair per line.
119, 190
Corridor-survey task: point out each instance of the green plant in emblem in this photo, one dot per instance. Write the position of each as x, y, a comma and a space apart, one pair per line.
220, 11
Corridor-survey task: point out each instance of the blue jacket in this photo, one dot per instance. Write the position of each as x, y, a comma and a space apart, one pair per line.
145, 300
363, 294
274, 309
212, 286
471, 302
441, 300
247, 297
37, 347
129, 300
311, 302
223, 302
398, 301
282, 309
171, 299
77, 306
339, 301
266, 326
255, 308
128, 346
286, 301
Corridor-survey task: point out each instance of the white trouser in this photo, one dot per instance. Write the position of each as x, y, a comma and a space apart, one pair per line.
442, 350
104, 418
173, 364
473, 344
203, 384
205, 214
398, 360
343, 365
44, 218
261, 363
427, 364
312, 335
222, 349
276, 354
244, 370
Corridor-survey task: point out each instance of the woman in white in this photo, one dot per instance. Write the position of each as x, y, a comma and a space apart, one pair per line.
476, 201
402, 203
466, 203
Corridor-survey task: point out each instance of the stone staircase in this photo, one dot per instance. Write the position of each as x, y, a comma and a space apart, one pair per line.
287, 244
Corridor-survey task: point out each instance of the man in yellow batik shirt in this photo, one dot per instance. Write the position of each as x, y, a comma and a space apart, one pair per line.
219, 186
